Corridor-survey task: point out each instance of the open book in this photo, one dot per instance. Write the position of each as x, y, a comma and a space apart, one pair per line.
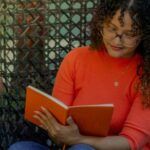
91, 119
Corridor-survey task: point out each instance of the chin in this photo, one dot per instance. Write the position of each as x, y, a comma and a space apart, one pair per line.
123, 53
119, 53
115, 54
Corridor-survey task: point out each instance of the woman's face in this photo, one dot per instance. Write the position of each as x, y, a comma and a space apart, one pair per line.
120, 41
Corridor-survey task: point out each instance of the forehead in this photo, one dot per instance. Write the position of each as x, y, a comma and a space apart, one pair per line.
127, 21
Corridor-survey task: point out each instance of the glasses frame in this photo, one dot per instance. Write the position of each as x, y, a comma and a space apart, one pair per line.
126, 40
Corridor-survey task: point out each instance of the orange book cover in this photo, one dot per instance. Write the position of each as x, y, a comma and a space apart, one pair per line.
91, 119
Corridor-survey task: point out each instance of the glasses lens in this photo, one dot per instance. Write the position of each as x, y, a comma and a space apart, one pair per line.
126, 39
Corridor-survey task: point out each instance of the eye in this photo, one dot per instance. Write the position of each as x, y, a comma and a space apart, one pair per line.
130, 34
111, 29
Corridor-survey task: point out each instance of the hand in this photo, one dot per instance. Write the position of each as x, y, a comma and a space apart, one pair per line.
68, 134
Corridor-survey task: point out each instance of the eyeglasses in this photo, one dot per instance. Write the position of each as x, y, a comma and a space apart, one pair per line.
128, 39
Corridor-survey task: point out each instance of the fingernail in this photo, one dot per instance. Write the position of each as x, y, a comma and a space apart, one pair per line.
69, 118
41, 126
34, 116
43, 108
36, 112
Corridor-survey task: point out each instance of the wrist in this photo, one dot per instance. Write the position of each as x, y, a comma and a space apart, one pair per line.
78, 140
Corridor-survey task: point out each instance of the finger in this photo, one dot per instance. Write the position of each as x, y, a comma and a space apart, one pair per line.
40, 120
46, 126
43, 127
47, 122
70, 121
43, 119
49, 129
41, 115
49, 116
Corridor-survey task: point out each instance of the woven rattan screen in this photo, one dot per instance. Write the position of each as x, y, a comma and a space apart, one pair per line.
35, 35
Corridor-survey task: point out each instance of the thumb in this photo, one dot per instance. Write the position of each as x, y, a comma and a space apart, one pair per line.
70, 121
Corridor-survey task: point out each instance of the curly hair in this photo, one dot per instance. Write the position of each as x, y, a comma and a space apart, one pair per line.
140, 15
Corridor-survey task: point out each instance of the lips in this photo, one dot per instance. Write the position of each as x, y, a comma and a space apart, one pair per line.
116, 48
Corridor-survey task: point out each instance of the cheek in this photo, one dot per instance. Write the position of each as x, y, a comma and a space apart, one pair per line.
133, 48
106, 42
129, 51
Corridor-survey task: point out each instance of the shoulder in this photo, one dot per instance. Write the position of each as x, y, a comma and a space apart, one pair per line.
75, 52
81, 53
80, 57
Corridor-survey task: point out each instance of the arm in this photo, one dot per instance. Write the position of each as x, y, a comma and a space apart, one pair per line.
137, 126
135, 134
64, 83
107, 143
70, 134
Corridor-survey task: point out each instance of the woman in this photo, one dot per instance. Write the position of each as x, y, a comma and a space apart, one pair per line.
114, 69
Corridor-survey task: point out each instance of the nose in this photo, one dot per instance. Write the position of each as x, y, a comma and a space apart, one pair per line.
119, 35
118, 40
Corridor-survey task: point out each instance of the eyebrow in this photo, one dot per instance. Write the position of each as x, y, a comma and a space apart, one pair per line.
112, 24
117, 27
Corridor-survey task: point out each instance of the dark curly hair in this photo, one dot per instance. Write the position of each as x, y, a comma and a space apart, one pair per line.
140, 14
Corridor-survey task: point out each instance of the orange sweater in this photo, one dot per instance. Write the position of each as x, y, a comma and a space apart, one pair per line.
92, 77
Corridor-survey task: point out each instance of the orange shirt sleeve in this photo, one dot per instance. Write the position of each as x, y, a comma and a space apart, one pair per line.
64, 82
137, 126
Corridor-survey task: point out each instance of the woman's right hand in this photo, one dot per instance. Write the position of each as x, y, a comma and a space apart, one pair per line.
59, 133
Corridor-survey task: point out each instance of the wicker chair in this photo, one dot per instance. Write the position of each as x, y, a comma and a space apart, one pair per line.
35, 36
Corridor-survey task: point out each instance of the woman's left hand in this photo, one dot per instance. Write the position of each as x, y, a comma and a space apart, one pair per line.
68, 134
